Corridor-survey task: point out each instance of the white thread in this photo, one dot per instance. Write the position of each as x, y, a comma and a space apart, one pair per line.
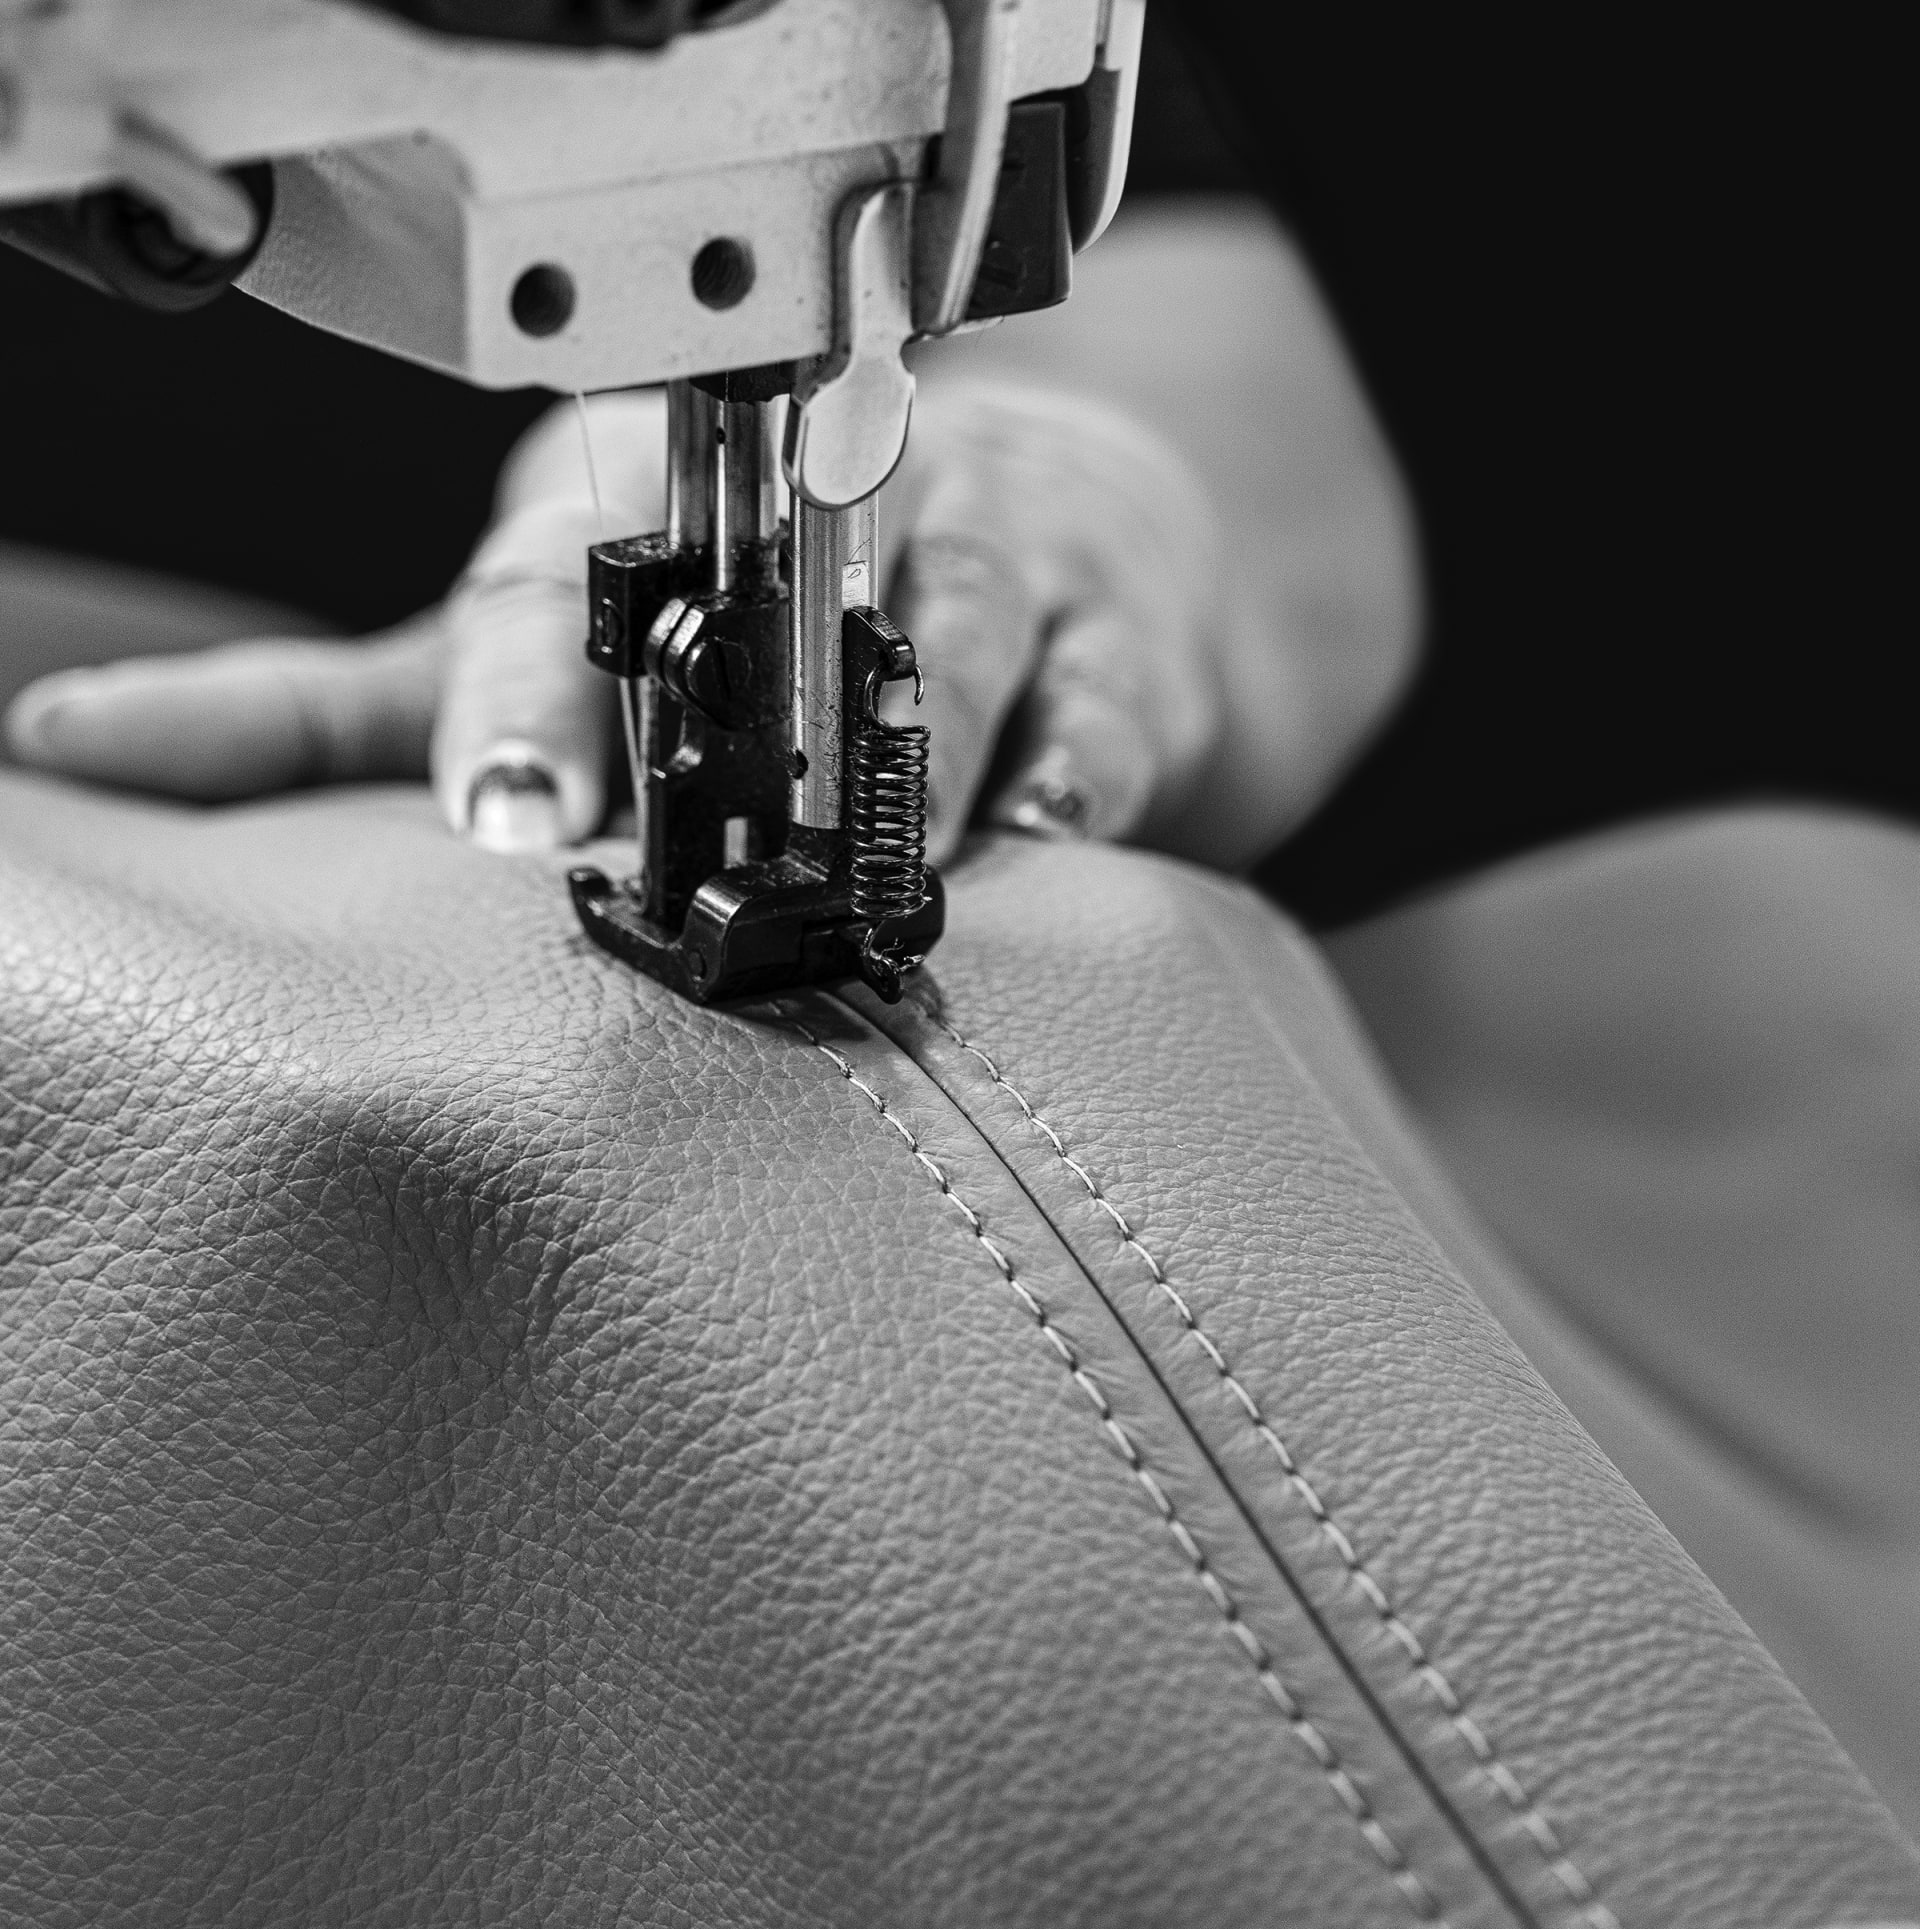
1418, 1896
1526, 1811
593, 474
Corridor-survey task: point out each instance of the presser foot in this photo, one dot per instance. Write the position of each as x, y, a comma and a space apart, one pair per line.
759, 928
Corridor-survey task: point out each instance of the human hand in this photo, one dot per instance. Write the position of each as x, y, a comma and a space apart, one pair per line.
1051, 559
1177, 634
488, 692
1057, 567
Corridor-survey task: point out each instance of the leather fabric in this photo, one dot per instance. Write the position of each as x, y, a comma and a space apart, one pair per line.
486, 1441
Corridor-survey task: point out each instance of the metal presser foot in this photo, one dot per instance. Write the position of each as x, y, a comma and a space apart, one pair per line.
781, 822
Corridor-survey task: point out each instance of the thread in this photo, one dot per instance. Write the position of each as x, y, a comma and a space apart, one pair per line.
593, 474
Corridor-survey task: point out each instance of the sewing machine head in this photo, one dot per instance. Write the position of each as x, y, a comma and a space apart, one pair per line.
749, 200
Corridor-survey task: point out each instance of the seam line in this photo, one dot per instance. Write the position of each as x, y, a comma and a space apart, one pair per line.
1352, 1798
1579, 1891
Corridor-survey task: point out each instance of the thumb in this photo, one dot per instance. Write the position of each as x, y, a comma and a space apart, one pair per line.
239, 719
521, 742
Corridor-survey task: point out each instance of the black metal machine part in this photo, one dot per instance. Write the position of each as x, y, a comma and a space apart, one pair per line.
717, 661
1026, 262
806, 904
732, 896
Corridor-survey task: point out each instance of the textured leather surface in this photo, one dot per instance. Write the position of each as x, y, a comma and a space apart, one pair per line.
487, 1442
1676, 1066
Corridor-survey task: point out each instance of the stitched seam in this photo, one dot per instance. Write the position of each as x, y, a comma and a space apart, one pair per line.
1352, 1799
1440, 1690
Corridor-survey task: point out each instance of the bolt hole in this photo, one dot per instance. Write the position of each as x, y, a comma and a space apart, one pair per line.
722, 273
542, 301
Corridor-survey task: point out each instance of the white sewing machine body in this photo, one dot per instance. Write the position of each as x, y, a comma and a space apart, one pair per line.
419, 175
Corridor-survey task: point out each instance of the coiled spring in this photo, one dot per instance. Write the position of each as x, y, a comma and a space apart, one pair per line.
887, 806
887, 809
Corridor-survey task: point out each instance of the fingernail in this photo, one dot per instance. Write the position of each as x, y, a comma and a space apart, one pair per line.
30, 725
35, 714
514, 806
1048, 801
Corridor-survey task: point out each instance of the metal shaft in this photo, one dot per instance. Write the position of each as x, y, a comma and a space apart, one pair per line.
860, 571
693, 421
836, 567
746, 499
816, 795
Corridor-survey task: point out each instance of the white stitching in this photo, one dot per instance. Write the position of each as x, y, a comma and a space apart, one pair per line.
1352, 1799
1539, 1830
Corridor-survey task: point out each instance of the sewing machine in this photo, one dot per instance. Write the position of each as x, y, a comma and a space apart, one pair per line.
760, 203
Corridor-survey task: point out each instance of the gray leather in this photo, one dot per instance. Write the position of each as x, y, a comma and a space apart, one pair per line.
1676, 1067
485, 1441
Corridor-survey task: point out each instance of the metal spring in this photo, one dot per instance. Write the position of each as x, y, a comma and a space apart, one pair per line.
887, 806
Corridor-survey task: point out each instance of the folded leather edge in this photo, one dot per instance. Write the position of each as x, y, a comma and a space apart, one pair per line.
932, 1042
1451, 1879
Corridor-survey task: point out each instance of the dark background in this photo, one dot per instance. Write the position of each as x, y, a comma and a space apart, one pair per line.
1625, 298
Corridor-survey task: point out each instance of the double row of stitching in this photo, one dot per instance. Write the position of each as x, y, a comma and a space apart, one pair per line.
1351, 1796
1573, 1882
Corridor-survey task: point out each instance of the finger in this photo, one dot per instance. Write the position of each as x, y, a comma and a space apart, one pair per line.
239, 719
1107, 737
976, 633
520, 746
